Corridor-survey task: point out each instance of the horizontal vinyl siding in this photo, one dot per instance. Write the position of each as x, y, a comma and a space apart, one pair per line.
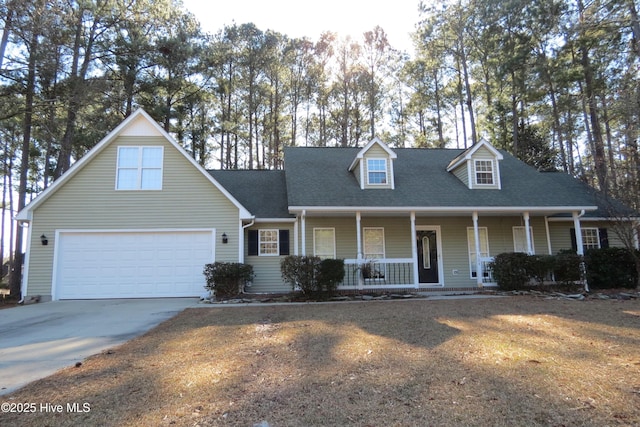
89, 201
377, 152
266, 269
461, 173
561, 237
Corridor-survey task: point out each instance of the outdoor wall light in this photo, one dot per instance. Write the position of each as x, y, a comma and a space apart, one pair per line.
225, 238
44, 240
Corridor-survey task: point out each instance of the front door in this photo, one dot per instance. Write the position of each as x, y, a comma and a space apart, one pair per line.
427, 256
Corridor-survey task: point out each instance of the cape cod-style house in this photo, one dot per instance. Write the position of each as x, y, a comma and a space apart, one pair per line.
137, 217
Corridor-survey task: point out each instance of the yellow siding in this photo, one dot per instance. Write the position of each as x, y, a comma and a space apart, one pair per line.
89, 201
461, 173
561, 236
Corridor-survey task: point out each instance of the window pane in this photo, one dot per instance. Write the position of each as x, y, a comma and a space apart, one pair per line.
268, 242
127, 179
152, 157
324, 242
128, 157
590, 238
374, 243
377, 171
484, 172
151, 179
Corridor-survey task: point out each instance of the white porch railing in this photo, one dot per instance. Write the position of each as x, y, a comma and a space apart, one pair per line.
378, 273
487, 273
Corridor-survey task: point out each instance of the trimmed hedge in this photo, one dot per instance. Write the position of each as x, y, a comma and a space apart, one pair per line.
611, 268
311, 274
606, 268
227, 279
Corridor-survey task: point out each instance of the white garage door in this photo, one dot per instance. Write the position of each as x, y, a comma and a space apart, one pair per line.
132, 264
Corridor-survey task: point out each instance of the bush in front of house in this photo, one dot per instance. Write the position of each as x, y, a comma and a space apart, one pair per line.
511, 270
610, 268
330, 275
227, 279
301, 272
313, 276
566, 267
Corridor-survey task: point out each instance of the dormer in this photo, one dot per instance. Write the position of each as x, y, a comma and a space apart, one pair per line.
373, 166
478, 167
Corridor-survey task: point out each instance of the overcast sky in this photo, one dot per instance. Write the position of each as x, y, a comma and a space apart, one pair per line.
297, 18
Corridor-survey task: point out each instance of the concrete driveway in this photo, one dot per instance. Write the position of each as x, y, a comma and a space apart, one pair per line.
39, 339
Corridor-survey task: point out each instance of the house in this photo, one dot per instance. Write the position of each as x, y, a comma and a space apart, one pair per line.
137, 217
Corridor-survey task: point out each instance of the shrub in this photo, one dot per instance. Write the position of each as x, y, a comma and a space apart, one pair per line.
227, 279
610, 268
540, 267
511, 270
301, 271
566, 267
330, 275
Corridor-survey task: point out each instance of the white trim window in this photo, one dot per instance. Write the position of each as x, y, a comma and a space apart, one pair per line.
373, 243
483, 235
324, 242
590, 238
484, 172
377, 171
139, 168
520, 240
268, 242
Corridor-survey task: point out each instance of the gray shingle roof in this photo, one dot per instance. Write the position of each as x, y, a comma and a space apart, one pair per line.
262, 192
320, 177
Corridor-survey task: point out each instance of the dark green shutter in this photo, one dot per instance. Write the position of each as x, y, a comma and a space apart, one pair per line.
604, 238
574, 244
284, 242
253, 242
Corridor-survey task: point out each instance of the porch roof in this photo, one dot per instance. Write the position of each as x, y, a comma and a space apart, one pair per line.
319, 178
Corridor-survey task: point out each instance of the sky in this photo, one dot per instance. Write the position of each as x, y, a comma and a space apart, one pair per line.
297, 18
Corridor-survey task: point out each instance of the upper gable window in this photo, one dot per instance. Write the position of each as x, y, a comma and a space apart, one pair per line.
377, 171
484, 172
139, 168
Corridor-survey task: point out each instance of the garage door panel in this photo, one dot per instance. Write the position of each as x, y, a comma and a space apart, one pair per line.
132, 264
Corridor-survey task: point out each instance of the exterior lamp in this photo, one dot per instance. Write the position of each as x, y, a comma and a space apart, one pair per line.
225, 238
44, 240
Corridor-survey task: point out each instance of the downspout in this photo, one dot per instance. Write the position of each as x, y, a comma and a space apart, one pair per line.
241, 243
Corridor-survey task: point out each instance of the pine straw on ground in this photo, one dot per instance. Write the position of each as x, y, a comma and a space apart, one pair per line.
500, 362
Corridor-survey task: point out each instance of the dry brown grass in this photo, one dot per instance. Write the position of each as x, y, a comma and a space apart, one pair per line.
501, 362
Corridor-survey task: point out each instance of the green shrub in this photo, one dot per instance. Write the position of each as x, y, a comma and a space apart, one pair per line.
540, 267
227, 279
330, 275
511, 270
566, 267
301, 272
610, 268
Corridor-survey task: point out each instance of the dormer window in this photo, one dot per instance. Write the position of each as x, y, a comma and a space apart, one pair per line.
484, 172
377, 171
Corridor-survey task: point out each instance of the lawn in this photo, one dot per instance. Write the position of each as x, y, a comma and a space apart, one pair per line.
502, 362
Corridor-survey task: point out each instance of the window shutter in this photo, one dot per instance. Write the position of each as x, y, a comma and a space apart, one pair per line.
574, 244
284, 242
253, 242
604, 238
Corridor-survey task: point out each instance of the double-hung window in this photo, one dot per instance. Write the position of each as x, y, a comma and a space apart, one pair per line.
139, 168
268, 243
374, 252
324, 242
484, 172
520, 239
377, 171
590, 238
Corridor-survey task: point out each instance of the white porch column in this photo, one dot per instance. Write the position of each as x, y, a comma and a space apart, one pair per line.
414, 250
580, 249
576, 225
359, 255
304, 233
525, 215
296, 245
476, 236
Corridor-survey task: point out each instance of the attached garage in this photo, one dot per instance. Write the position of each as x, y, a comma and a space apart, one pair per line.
131, 264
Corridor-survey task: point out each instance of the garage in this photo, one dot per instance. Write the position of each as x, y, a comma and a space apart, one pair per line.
131, 264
